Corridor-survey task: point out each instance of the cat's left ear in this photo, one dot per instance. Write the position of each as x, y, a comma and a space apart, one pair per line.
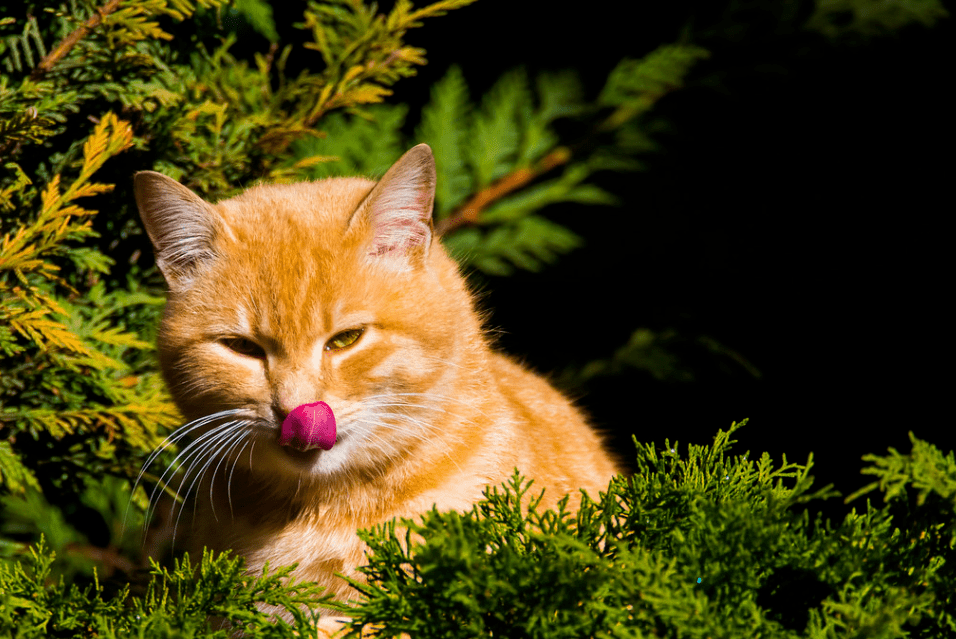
398, 212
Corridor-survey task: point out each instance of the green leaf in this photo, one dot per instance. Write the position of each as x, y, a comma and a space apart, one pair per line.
355, 145
639, 82
566, 188
443, 128
839, 18
495, 130
528, 243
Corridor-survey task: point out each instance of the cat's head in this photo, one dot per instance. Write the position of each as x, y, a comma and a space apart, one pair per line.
333, 291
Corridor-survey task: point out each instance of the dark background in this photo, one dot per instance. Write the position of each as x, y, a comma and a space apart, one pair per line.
795, 212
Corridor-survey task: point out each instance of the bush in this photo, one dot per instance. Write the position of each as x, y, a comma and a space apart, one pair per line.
705, 544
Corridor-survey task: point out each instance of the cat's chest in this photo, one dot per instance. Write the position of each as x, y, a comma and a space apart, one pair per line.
323, 541
320, 549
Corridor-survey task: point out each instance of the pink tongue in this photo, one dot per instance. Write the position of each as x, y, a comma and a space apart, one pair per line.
309, 426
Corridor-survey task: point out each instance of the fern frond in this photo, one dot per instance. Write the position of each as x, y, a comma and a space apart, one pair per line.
21, 48
635, 85
528, 243
354, 145
17, 187
495, 133
122, 26
118, 337
441, 128
111, 136
47, 333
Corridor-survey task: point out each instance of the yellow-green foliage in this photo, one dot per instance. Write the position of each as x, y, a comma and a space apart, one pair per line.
42, 330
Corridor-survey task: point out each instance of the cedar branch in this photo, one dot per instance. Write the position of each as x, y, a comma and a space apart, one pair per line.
469, 211
70, 41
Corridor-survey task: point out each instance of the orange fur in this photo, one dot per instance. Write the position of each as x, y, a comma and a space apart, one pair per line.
428, 414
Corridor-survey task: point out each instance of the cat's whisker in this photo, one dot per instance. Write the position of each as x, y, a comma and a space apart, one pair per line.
382, 424
420, 431
205, 456
213, 450
172, 438
242, 432
443, 361
188, 456
429, 395
235, 463
441, 399
178, 434
182, 431
183, 454
414, 407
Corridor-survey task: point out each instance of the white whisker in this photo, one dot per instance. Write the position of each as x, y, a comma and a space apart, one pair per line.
206, 454
183, 455
240, 435
173, 437
235, 463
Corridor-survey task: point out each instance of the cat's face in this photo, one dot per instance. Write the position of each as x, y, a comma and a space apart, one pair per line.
330, 291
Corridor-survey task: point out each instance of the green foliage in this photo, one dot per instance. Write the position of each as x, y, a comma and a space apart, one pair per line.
259, 15
355, 145
704, 544
69, 371
634, 85
210, 599
926, 469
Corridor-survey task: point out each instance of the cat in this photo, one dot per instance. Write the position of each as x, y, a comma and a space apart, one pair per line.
334, 370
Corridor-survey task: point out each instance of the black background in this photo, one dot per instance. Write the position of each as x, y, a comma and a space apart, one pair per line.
796, 212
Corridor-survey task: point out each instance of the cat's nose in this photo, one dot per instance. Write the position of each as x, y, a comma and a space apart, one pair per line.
288, 398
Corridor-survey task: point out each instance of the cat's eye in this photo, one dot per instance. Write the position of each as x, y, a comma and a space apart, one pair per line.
344, 339
243, 346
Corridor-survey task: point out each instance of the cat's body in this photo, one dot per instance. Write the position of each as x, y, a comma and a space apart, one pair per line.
338, 291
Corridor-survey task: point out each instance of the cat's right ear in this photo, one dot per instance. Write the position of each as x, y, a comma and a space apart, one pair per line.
180, 224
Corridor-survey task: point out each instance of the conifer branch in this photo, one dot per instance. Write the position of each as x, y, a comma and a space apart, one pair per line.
70, 41
469, 212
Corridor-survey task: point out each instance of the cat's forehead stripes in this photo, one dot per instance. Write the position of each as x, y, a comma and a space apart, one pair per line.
292, 257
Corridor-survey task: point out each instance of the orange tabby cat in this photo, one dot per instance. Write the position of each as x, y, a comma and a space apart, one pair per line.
335, 372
